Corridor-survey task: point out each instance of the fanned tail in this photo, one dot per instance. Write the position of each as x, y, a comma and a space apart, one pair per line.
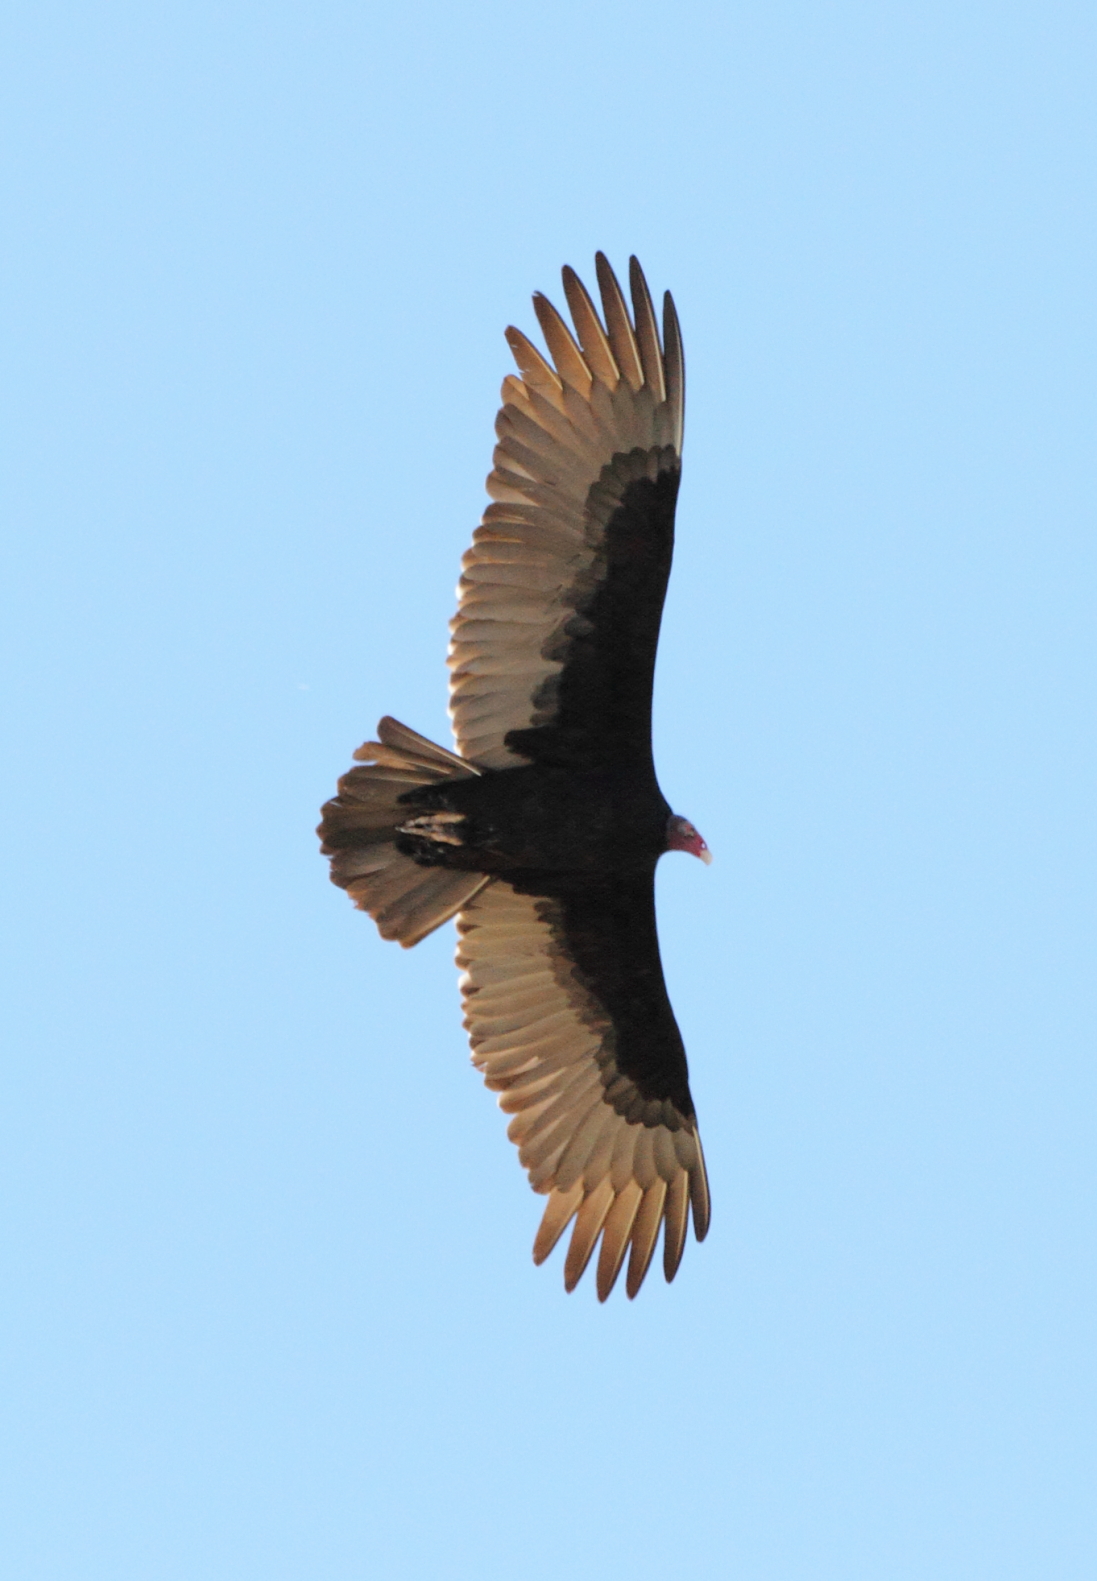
358, 831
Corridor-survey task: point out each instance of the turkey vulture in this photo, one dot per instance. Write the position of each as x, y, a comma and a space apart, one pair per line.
542, 832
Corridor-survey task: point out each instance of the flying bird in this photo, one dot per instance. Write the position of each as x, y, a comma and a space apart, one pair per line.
540, 834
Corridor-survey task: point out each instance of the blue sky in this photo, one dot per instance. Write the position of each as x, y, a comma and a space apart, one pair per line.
269, 1312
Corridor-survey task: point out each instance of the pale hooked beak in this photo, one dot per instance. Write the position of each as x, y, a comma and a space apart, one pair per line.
706, 855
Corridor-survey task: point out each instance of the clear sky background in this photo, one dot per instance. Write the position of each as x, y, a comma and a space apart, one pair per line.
269, 1312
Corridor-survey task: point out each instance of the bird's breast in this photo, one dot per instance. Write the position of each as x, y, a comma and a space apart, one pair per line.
543, 819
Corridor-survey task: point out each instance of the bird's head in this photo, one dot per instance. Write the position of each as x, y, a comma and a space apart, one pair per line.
682, 836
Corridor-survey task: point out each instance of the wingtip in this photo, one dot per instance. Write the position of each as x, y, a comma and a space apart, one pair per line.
699, 1199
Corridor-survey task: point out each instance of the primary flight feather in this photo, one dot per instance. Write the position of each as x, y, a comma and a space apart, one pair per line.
541, 833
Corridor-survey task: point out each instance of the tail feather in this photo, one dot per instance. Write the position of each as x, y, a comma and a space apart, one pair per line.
415, 912
401, 741
358, 831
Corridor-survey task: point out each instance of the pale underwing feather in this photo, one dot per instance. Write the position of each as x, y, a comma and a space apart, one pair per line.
588, 1226
597, 351
616, 1233
559, 1212
566, 355
618, 325
645, 1233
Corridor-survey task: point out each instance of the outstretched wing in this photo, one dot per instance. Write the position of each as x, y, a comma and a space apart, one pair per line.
554, 640
570, 1023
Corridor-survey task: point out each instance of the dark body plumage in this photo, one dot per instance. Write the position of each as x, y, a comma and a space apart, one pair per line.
544, 834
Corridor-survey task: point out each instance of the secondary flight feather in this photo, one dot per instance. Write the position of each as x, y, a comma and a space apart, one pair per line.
541, 833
